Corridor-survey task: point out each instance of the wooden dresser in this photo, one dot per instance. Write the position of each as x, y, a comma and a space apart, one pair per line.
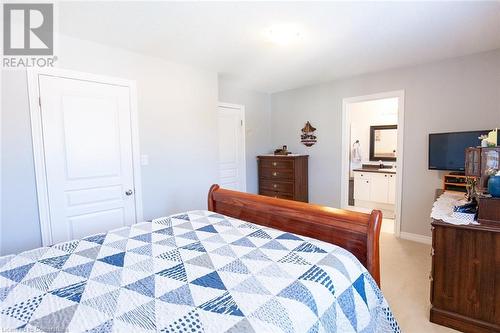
283, 177
465, 276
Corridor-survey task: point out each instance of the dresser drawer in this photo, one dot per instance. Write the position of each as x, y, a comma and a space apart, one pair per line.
276, 164
271, 173
274, 194
278, 186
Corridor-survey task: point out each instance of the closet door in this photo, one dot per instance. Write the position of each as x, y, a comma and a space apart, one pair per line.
230, 127
87, 147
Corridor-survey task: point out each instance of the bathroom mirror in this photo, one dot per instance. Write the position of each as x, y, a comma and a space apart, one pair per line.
383, 142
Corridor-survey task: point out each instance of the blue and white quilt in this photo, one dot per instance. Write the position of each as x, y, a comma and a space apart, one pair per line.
194, 272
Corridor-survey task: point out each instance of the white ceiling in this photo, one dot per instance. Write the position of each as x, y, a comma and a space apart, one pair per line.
339, 39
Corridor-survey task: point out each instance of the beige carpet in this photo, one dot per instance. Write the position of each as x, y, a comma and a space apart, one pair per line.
405, 267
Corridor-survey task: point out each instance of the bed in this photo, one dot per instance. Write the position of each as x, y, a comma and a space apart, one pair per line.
247, 264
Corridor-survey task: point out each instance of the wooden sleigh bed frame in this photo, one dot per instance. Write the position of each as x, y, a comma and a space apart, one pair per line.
356, 232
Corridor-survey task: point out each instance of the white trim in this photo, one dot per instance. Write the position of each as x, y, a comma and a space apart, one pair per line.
243, 137
344, 188
416, 237
38, 147
136, 153
1, 164
39, 157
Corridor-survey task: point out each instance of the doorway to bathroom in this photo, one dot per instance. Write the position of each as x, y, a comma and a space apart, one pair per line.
372, 155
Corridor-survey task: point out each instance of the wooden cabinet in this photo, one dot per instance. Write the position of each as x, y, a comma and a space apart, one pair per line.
375, 186
465, 277
489, 211
473, 162
479, 162
284, 177
489, 161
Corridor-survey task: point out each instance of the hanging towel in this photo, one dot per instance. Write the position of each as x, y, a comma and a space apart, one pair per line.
356, 153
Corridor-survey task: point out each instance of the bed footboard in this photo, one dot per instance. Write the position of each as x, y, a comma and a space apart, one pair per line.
355, 232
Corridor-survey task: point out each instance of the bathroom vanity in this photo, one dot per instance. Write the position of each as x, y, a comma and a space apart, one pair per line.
375, 188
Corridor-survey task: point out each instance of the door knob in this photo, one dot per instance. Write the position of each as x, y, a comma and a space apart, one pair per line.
129, 192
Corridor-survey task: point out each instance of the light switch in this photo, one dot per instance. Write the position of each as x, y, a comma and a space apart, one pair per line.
144, 160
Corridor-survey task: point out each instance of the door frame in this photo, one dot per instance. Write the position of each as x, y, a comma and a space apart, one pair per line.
38, 147
344, 184
243, 142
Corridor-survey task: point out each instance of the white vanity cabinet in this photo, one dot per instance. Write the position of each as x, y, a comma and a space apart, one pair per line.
377, 187
391, 194
361, 186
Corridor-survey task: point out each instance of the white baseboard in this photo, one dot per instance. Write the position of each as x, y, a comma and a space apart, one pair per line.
416, 237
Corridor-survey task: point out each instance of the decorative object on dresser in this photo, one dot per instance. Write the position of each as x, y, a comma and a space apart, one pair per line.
482, 163
307, 137
465, 273
284, 177
494, 185
282, 151
471, 188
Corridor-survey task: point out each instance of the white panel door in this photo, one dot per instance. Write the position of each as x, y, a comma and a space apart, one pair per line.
379, 187
231, 147
87, 142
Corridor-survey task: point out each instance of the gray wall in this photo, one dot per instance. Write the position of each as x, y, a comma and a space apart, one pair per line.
176, 100
257, 123
453, 95
19, 225
177, 127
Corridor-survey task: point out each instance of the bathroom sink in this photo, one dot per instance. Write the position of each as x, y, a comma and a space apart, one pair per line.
388, 170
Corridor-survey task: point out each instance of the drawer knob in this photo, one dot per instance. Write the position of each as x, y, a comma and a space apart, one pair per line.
275, 174
274, 185
275, 164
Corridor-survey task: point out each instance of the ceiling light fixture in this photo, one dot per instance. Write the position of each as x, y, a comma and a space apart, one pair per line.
283, 34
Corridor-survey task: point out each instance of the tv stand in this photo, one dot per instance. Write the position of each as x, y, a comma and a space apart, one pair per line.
455, 181
457, 173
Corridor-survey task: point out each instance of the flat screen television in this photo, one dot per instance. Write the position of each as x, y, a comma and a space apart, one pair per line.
447, 150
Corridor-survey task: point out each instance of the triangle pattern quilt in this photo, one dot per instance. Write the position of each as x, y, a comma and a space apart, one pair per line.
192, 272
